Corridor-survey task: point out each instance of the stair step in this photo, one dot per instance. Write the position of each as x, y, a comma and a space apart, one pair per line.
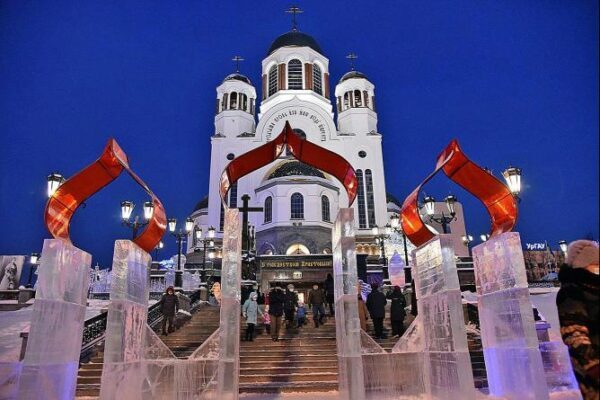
288, 370
272, 378
286, 387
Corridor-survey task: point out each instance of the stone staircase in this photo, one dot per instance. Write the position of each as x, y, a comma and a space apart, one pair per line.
303, 360
182, 343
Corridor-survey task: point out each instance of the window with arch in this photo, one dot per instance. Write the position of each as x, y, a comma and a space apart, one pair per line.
362, 215
273, 80
346, 100
233, 102
370, 198
366, 97
317, 80
295, 74
297, 249
325, 211
297, 206
357, 98
243, 102
224, 104
268, 210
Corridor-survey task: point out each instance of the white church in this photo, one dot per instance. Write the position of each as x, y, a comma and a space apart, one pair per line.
300, 203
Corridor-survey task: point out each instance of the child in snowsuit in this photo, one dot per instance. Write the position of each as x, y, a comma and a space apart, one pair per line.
301, 314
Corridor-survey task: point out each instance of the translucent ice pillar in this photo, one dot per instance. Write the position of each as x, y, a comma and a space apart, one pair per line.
349, 349
447, 360
231, 279
510, 343
126, 319
54, 345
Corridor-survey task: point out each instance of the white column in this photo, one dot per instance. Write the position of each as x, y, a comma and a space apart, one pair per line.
447, 360
350, 364
123, 373
510, 344
229, 352
54, 345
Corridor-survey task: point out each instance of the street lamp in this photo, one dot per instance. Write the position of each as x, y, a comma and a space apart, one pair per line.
126, 211
207, 242
467, 239
180, 238
54, 181
34, 259
512, 175
429, 206
563, 246
484, 237
381, 234
158, 247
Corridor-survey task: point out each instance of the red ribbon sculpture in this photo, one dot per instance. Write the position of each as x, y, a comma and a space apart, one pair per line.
73, 192
497, 198
302, 150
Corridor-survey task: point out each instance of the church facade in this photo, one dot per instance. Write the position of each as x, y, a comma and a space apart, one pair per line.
293, 232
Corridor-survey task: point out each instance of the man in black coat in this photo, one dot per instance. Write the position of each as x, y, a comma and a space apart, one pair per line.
376, 302
316, 299
397, 311
169, 305
276, 303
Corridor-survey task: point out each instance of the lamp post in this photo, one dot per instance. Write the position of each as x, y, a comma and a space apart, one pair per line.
34, 259
563, 247
512, 175
180, 237
54, 181
126, 211
467, 239
207, 242
158, 247
381, 234
444, 220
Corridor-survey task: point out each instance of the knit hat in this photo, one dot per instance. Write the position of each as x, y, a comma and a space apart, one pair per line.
582, 253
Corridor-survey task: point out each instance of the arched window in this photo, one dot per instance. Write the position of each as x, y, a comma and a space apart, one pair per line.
233, 193
295, 74
297, 249
233, 101
362, 215
366, 97
317, 80
297, 206
225, 102
273, 80
268, 210
370, 198
243, 102
357, 98
339, 104
346, 100
325, 213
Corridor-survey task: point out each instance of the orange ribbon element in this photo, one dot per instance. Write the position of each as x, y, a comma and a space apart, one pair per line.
497, 198
73, 192
302, 150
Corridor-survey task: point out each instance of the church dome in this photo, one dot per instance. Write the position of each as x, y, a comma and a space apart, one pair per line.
237, 77
294, 39
203, 203
295, 168
353, 74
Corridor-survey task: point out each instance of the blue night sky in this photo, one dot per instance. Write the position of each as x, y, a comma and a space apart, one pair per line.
516, 82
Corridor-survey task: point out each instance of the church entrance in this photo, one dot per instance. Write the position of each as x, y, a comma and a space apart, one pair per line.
303, 271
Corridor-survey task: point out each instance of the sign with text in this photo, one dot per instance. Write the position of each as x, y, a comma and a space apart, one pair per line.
296, 262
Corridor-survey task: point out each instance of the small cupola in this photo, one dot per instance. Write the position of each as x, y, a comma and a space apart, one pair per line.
236, 92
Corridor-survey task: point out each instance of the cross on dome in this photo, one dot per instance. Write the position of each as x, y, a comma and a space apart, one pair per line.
351, 57
294, 10
237, 60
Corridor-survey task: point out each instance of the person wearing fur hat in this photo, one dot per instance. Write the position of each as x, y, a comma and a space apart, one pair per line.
578, 308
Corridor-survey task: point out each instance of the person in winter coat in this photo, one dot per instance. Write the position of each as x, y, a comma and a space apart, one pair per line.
276, 301
301, 314
267, 320
316, 299
329, 293
289, 307
397, 312
578, 305
169, 305
362, 313
250, 311
376, 305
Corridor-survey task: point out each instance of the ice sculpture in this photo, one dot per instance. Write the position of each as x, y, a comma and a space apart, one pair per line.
350, 362
447, 362
231, 279
54, 345
559, 370
126, 319
396, 270
510, 343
